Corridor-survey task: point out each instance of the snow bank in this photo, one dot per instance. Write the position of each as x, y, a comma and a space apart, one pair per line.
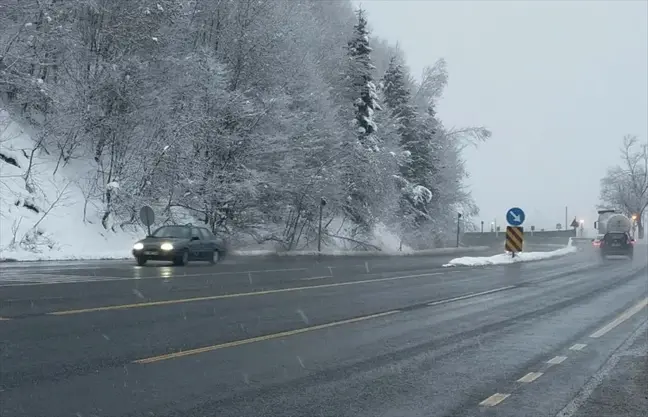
505, 258
42, 214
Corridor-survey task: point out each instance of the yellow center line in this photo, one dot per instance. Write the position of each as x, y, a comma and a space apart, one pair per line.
235, 295
260, 338
623, 317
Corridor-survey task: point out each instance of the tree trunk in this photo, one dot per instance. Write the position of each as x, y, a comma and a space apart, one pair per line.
640, 229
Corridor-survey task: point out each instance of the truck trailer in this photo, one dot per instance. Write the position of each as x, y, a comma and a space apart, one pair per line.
615, 231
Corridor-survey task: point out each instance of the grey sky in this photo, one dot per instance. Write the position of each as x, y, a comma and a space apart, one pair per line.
559, 83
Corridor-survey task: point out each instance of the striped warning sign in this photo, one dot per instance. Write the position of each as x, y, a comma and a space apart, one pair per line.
514, 239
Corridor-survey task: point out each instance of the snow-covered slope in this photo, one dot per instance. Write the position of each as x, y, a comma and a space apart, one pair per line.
42, 207
48, 211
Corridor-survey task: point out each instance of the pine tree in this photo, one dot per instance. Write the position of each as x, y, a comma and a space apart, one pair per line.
362, 85
415, 132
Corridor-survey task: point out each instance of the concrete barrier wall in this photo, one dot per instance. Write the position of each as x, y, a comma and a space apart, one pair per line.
554, 237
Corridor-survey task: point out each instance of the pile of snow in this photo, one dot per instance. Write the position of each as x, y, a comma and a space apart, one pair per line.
506, 258
42, 214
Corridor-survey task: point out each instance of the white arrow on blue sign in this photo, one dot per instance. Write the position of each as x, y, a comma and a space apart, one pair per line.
515, 216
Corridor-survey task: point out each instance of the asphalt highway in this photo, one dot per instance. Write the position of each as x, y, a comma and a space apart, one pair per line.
397, 336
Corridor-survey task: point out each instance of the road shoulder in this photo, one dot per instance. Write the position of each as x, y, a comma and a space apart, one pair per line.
622, 386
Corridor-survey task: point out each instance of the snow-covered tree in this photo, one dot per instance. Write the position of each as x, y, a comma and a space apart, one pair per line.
362, 83
625, 186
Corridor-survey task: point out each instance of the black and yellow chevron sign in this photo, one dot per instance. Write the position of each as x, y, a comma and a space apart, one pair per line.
514, 239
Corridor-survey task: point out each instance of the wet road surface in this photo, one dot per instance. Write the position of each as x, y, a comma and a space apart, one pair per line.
400, 336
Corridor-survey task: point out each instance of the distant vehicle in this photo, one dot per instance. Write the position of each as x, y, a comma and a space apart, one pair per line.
615, 231
596, 242
179, 244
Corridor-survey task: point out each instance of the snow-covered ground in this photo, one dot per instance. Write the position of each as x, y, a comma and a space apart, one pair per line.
506, 258
42, 214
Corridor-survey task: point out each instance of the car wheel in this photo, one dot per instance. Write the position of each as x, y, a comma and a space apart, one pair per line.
141, 261
183, 259
215, 257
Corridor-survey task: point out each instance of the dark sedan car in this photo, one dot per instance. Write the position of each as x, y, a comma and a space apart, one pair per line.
179, 244
617, 244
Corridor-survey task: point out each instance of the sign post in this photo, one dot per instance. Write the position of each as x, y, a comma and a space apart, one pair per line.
147, 216
514, 239
514, 232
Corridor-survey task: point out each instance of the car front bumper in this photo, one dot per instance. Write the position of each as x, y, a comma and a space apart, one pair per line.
156, 254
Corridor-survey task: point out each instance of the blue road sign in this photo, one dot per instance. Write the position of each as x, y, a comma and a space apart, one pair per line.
515, 216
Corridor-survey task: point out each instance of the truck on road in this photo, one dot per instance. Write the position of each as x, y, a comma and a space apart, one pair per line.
614, 230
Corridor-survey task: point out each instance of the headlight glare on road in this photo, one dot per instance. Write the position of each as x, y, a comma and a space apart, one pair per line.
138, 246
166, 246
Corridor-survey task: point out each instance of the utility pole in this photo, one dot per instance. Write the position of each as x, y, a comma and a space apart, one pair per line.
458, 227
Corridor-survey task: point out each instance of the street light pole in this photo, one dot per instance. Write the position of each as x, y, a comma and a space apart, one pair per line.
566, 218
319, 233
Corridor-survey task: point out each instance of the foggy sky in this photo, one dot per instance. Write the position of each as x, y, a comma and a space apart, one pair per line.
558, 83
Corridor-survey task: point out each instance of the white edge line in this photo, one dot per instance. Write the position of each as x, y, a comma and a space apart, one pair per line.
113, 278
590, 386
623, 317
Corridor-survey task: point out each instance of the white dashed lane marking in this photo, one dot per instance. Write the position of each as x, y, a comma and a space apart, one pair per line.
578, 346
494, 399
557, 360
530, 377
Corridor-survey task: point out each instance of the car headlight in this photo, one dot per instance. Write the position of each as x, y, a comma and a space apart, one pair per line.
166, 246
138, 246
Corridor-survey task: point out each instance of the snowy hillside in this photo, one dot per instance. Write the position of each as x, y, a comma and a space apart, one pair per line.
43, 210
46, 212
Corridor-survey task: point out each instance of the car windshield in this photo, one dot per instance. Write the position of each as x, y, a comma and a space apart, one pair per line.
172, 232
617, 236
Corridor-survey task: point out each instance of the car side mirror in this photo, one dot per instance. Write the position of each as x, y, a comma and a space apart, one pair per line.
195, 238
